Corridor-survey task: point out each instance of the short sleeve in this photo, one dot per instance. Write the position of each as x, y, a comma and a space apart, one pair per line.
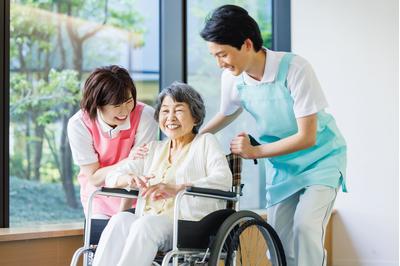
305, 88
80, 141
230, 100
147, 129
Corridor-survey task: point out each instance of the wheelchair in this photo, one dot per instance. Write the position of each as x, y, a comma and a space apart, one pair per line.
228, 237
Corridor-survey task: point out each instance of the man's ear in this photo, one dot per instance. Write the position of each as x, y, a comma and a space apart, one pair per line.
248, 44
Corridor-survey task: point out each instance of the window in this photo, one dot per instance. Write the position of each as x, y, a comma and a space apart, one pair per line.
49, 47
204, 75
53, 47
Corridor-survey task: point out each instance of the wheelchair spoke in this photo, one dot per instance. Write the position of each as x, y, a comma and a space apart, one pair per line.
246, 240
263, 248
252, 247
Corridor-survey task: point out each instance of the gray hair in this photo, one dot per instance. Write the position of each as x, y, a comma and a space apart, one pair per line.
181, 92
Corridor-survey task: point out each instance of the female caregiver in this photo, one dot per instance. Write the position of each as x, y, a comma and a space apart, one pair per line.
110, 123
305, 154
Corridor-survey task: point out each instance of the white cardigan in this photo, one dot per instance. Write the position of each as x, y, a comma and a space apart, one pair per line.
205, 166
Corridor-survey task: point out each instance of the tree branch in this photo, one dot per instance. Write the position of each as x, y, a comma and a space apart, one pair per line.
53, 151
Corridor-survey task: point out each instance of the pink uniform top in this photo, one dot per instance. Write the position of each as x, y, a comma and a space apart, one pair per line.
110, 151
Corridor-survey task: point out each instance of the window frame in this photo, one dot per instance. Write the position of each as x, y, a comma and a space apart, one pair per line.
4, 117
173, 40
281, 32
173, 37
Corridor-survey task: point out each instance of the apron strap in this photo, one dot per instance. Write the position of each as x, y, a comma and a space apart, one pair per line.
284, 67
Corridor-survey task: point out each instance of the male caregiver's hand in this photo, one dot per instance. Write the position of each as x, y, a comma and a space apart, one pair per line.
241, 145
139, 152
161, 191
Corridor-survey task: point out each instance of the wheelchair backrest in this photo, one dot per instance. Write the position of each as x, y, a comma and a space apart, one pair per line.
235, 164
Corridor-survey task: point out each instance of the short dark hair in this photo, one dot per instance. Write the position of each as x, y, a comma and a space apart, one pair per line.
107, 85
232, 25
181, 92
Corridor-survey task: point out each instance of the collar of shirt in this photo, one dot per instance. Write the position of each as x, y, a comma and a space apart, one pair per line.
270, 69
112, 132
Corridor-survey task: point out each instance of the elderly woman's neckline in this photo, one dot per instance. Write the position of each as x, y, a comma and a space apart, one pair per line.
178, 144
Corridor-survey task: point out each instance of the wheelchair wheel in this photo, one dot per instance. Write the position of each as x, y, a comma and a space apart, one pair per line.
245, 239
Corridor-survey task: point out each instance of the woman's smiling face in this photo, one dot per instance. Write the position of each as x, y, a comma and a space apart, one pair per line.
175, 119
115, 115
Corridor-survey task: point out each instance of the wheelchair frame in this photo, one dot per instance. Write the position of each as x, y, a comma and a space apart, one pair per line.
176, 252
122, 193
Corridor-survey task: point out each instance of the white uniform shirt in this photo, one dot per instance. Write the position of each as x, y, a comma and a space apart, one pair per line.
301, 81
81, 141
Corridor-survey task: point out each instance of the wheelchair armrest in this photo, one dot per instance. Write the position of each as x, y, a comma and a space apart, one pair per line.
210, 191
120, 191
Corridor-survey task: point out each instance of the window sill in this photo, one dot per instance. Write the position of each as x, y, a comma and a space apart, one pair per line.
41, 231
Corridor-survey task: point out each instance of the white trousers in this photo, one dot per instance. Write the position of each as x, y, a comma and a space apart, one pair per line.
300, 222
132, 240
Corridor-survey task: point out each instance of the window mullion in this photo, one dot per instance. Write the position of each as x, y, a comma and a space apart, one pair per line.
4, 117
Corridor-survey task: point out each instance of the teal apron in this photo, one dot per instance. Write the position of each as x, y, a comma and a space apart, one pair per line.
322, 164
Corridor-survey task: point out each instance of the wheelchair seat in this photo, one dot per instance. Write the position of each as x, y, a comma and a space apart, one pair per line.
199, 234
98, 226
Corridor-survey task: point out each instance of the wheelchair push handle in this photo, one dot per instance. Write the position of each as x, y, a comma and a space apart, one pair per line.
254, 142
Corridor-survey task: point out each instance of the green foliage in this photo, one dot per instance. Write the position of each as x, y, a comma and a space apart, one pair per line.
29, 35
45, 41
17, 165
47, 99
39, 203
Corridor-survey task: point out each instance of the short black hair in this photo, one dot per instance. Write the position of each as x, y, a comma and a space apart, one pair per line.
181, 92
232, 25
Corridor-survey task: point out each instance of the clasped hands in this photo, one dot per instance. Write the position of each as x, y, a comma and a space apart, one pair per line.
153, 192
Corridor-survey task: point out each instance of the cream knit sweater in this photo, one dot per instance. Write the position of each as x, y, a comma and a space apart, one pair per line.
205, 166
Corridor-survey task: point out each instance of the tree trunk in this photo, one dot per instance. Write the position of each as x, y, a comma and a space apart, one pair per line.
39, 129
38, 150
47, 65
60, 42
78, 53
65, 151
66, 166
28, 147
66, 156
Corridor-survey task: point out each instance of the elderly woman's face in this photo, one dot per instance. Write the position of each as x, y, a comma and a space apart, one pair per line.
175, 119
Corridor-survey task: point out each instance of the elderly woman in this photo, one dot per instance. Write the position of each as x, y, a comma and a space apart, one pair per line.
184, 159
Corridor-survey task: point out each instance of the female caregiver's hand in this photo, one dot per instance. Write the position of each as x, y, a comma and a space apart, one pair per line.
139, 152
241, 145
161, 191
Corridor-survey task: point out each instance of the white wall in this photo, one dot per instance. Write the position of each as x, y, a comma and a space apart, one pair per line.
353, 47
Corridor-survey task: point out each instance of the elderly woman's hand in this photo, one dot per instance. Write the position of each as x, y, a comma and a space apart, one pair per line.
162, 191
133, 181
